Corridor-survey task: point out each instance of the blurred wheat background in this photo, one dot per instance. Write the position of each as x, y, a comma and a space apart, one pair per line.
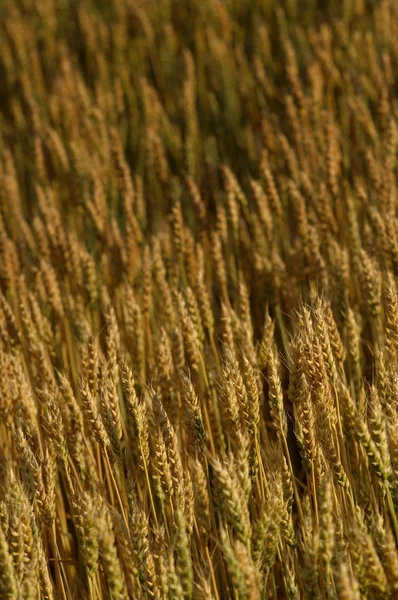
198, 300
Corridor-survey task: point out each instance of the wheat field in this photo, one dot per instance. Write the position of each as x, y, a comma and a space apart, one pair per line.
198, 300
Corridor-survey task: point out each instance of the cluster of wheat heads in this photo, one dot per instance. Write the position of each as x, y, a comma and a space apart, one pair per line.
198, 305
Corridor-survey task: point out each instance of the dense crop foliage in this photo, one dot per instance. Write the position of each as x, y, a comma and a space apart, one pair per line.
198, 299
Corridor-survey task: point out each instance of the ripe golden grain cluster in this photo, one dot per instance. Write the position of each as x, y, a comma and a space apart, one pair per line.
198, 300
